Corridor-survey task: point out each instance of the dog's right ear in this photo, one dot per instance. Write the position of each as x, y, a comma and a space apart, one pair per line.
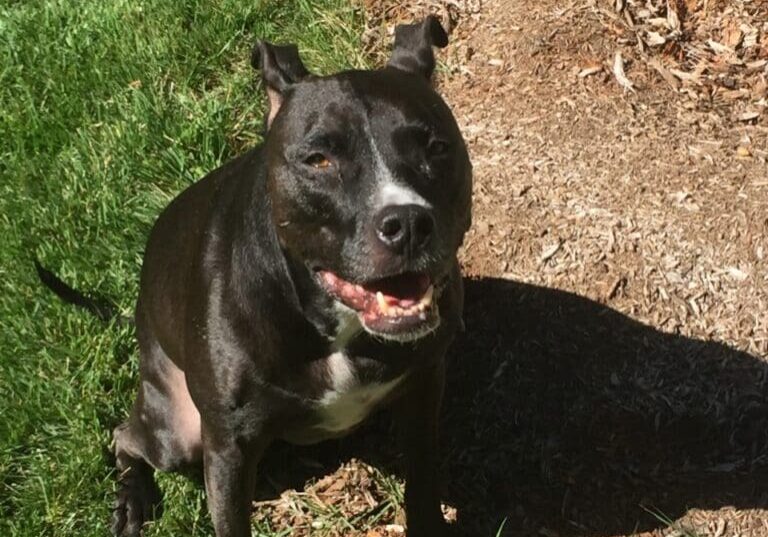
413, 46
280, 67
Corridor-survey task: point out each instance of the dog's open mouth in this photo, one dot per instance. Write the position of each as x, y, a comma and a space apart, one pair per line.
399, 307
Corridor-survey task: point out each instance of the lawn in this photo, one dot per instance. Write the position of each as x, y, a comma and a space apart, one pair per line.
108, 108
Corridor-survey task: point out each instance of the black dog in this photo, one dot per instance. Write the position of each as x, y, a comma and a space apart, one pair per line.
301, 286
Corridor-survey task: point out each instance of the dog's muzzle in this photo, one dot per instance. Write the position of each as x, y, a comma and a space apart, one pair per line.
401, 307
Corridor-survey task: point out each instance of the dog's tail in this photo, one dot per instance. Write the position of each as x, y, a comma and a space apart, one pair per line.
104, 309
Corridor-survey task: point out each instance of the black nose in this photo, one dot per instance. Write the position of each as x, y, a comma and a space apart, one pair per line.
404, 228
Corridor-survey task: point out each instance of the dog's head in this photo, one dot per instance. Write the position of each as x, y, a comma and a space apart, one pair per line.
369, 180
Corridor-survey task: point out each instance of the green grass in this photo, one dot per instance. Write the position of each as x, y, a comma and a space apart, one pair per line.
108, 108
679, 529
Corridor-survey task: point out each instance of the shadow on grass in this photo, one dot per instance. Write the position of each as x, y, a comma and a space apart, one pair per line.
568, 418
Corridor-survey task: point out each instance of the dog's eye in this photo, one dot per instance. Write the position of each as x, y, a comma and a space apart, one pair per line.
437, 147
318, 161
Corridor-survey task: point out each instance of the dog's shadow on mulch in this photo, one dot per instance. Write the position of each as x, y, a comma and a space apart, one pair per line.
568, 418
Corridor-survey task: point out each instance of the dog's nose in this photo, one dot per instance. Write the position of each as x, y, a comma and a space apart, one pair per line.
404, 228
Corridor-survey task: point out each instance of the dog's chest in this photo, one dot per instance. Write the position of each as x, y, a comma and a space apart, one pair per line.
347, 400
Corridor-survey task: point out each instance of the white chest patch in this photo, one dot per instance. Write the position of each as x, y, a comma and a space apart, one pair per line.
349, 402
349, 326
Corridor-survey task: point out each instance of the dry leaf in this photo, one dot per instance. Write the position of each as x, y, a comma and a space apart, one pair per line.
665, 73
719, 48
548, 253
618, 72
673, 21
749, 115
682, 75
588, 71
655, 39
737, 273
743, 152
750, 36
732, 36
720, 528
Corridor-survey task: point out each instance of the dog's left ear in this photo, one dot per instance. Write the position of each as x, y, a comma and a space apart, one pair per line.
280, 67
413, 46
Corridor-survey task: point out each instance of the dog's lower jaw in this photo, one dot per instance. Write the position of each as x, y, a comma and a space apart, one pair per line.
349, 325
410, 336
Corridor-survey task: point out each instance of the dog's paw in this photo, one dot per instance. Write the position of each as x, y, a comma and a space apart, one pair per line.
138, 501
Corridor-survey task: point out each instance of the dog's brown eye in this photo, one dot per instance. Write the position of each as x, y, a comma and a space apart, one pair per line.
318, 161
437, 147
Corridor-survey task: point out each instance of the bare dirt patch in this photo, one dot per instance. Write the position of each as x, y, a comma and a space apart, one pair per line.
613, 378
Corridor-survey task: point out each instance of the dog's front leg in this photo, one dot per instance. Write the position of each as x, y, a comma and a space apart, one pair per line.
230, 475
417, 415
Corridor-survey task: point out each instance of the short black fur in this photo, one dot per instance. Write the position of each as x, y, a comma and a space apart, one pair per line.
240, 343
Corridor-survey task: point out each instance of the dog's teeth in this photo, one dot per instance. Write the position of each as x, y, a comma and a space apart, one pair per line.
423, 316
426, 300
383, 306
